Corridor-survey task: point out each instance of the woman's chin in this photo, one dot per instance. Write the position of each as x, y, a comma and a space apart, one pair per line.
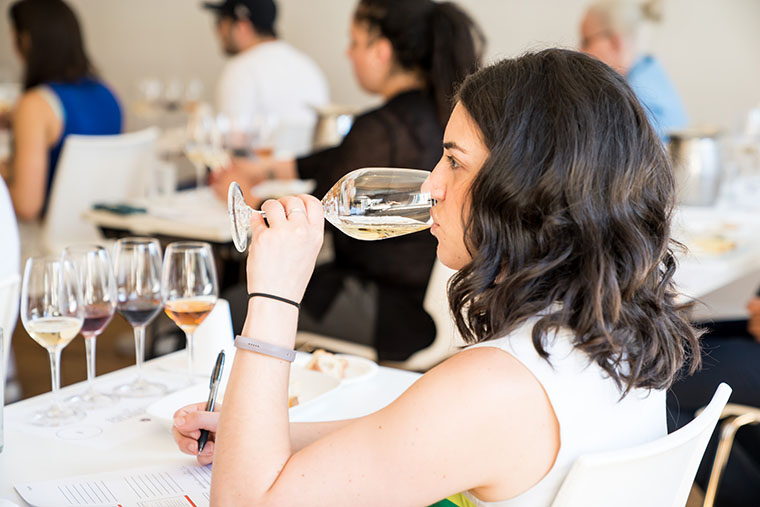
454, 262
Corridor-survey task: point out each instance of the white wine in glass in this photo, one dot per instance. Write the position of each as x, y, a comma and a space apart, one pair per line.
189, 287
95, 274
52, 314
369, 204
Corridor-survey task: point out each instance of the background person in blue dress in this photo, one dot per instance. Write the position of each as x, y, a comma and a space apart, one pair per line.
614, 31
62, 95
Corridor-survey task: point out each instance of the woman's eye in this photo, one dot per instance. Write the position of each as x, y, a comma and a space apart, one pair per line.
452, 162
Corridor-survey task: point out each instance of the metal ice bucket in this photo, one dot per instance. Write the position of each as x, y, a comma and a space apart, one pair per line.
333, 123
696, 162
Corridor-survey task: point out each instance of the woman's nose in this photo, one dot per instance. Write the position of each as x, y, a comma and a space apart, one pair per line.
432, 186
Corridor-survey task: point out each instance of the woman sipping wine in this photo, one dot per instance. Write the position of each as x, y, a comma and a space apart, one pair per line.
554, 199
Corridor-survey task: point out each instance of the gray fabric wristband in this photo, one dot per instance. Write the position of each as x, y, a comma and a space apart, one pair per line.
267, 349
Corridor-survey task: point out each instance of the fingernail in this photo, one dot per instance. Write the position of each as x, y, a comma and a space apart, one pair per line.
179, 420
192, 447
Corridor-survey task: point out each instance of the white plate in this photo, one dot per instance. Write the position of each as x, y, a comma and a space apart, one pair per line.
358, 368
274, 189
308, 385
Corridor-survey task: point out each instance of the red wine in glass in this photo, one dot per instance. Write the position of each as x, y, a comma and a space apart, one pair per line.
139, 312
96, 318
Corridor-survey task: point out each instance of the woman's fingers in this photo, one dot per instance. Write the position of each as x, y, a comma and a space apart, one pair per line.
188, 444
188, 423
295, 208
275, 212
314, 211
207, 456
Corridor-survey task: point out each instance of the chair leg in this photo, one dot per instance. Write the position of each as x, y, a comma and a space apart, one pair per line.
728, 430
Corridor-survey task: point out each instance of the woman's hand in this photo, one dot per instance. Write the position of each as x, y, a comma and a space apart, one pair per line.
220, 182
188, 423
753, 326
282, 254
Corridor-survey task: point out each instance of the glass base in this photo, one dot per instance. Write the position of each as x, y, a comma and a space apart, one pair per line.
92, 399
141, 388
56, 416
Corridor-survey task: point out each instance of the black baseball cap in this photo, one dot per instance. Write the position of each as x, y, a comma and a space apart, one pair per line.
262, 13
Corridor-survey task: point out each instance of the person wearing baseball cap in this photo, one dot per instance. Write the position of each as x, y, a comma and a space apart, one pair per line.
266, 76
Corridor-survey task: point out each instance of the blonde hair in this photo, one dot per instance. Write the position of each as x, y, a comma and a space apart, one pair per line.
629, 18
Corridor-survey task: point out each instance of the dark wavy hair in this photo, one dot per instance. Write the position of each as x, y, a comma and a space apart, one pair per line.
436, 38
56, 48
572, 206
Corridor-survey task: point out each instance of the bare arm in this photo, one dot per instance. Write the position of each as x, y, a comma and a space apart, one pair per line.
35, 129
189, 420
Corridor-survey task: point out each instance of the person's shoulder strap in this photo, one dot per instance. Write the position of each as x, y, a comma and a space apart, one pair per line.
50, 96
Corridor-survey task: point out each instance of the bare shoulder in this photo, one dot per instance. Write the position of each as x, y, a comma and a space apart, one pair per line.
33, 101
34, 118
34, 109
505, 413
492, 372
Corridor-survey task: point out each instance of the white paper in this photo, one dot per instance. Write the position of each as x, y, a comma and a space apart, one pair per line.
169, 486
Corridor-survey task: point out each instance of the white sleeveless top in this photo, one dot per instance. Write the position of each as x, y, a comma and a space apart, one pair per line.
587, 404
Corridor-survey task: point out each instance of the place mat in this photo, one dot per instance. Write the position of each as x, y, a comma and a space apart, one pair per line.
102, 428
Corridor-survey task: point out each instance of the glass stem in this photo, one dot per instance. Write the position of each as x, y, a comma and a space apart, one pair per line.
89, 346
55, 375
139, 348
189, 347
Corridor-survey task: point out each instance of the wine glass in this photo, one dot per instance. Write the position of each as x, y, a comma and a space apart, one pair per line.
189, 287
52, 314
137, 263
98, 285
265, 132
369, 204
204, 147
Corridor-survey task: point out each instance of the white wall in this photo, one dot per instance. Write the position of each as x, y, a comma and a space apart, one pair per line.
711, 48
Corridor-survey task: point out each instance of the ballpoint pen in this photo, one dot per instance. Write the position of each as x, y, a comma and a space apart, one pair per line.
216, 378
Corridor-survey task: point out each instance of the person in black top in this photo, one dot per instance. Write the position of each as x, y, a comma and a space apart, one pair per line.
731, 354
412, 53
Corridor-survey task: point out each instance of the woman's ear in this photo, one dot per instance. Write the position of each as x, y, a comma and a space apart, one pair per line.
23, 44
383, 50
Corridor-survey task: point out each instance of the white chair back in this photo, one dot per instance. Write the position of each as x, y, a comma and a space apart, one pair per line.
94, 169
656, 473
9, 301
447, 338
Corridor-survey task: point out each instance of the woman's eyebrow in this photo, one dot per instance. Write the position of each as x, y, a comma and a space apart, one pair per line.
451, 145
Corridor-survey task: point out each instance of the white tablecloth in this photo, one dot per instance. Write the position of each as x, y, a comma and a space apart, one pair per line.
35, 455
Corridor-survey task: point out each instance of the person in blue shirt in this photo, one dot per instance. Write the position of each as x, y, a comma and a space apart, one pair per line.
613, 32
62, 95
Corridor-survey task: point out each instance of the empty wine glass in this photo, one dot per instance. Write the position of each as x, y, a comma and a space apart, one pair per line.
52, 314
137, 263
95, 275
369, 204
189, 287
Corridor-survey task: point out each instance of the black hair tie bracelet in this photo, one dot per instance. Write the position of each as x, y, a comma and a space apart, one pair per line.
276, 298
